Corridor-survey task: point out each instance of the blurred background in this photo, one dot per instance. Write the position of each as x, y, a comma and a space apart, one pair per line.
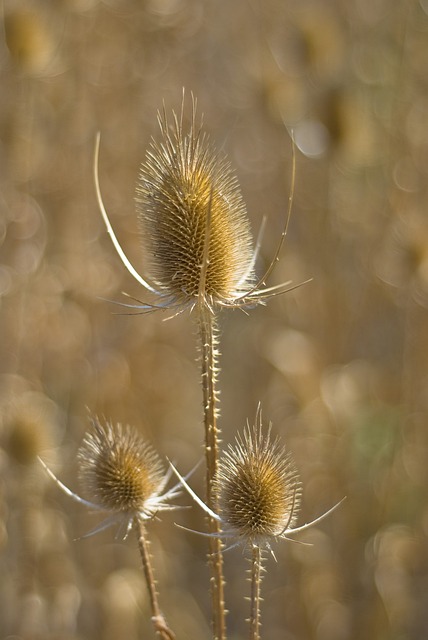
339, 364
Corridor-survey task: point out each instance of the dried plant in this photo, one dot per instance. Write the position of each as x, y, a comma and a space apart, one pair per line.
194, 225
258, 492
197, 240
259, 499
257, 487
124, 477
198, 249
197, 243
193, 220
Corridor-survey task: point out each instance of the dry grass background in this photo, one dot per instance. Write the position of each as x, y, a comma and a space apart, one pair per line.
340, 365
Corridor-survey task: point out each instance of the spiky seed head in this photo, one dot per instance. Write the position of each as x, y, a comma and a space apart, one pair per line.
186, 191
257, 487
118, 469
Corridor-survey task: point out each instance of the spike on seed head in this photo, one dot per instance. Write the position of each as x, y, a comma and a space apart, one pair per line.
258, 488
118, 469
193, 217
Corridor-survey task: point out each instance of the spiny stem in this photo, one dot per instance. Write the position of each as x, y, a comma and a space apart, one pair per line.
256, 579
209, 352
158, 620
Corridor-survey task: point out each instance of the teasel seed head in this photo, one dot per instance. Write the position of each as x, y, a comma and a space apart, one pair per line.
193, 218
122, 475
118, 469
194, 226
258, 488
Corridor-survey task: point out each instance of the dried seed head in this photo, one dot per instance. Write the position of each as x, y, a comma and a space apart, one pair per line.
121, 474
194, 226
258, 488
120, 471
193, 218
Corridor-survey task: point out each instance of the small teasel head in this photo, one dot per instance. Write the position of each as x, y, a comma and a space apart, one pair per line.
193, 218
258, 488
119, 470
121, 474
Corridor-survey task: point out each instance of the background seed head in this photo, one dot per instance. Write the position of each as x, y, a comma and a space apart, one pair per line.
118, 469
182, 181
258, 488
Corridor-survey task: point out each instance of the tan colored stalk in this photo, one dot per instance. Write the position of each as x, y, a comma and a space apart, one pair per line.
158, 619
256, 579
209, 354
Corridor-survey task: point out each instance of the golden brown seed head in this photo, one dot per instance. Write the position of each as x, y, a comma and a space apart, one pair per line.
119, 470
257, 487
185, 192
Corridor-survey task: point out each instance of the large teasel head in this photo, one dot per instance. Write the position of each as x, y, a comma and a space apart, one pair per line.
193, 219
195, 231
258, 488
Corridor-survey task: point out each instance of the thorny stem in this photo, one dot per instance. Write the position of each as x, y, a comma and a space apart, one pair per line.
209, 352
158, 619
256, 579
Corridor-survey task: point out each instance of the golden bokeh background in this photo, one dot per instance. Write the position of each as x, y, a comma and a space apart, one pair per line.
339, 364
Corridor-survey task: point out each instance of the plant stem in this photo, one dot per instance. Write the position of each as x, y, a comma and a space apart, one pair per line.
256, 579
158, 619
209, 352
